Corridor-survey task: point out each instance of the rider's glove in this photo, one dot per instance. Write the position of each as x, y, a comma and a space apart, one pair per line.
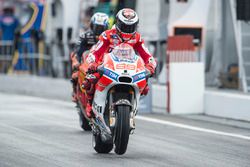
92, 65
92, 68
75, 67
150, 68
151, 65
89, 80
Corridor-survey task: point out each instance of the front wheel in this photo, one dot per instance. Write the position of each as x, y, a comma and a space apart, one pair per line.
122, 129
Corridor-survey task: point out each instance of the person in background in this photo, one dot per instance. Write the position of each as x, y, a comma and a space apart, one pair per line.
124, 31
98, 24
9, 24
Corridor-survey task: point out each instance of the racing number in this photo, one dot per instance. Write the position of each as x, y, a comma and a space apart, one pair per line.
125, 66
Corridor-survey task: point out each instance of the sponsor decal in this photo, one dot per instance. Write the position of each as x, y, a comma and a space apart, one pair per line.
139, 76
97, 107
123, 66
128, 14
110, 74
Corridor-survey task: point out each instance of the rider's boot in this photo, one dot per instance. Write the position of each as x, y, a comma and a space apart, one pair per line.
89, 111
89, 86
74, 85
90, 96
74, 76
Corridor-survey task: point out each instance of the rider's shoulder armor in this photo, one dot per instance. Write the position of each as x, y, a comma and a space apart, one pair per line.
89, 37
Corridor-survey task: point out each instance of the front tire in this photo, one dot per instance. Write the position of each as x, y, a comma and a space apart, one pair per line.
122, 129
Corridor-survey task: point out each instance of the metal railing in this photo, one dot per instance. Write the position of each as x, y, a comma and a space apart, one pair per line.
6, 53
26, 57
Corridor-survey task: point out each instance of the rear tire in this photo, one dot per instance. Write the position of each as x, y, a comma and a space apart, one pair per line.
99, 146
122, 129
84, 123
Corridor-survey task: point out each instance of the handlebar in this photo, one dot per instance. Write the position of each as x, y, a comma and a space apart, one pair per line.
100, 70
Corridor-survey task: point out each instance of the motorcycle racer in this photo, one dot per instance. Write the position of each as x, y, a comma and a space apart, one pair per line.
98, 24
124, 31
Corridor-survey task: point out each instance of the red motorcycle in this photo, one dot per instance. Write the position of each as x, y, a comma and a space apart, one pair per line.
117, 93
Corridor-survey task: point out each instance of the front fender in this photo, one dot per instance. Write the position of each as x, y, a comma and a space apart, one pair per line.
123, 102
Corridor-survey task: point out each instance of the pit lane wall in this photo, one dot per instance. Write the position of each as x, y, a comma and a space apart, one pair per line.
227, 104
218, 103
36, 86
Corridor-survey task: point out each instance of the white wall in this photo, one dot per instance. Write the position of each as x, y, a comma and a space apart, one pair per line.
227, 104
219, 103
159, 98
186, 88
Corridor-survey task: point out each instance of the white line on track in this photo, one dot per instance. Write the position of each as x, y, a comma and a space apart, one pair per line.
163, 122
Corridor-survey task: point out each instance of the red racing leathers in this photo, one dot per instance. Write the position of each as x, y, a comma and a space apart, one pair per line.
108, 40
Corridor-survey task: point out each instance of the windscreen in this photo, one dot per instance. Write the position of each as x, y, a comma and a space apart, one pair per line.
124, 52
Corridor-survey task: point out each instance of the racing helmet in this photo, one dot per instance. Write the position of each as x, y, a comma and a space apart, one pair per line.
99, 22
126, 23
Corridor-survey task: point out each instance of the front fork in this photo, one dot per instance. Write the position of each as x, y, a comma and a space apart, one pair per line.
112, 114
106, 130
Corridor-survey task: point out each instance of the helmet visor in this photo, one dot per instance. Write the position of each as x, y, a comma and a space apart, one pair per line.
125, 28
98, 29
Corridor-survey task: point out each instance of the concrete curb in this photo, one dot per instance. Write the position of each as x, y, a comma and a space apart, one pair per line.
36, 86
